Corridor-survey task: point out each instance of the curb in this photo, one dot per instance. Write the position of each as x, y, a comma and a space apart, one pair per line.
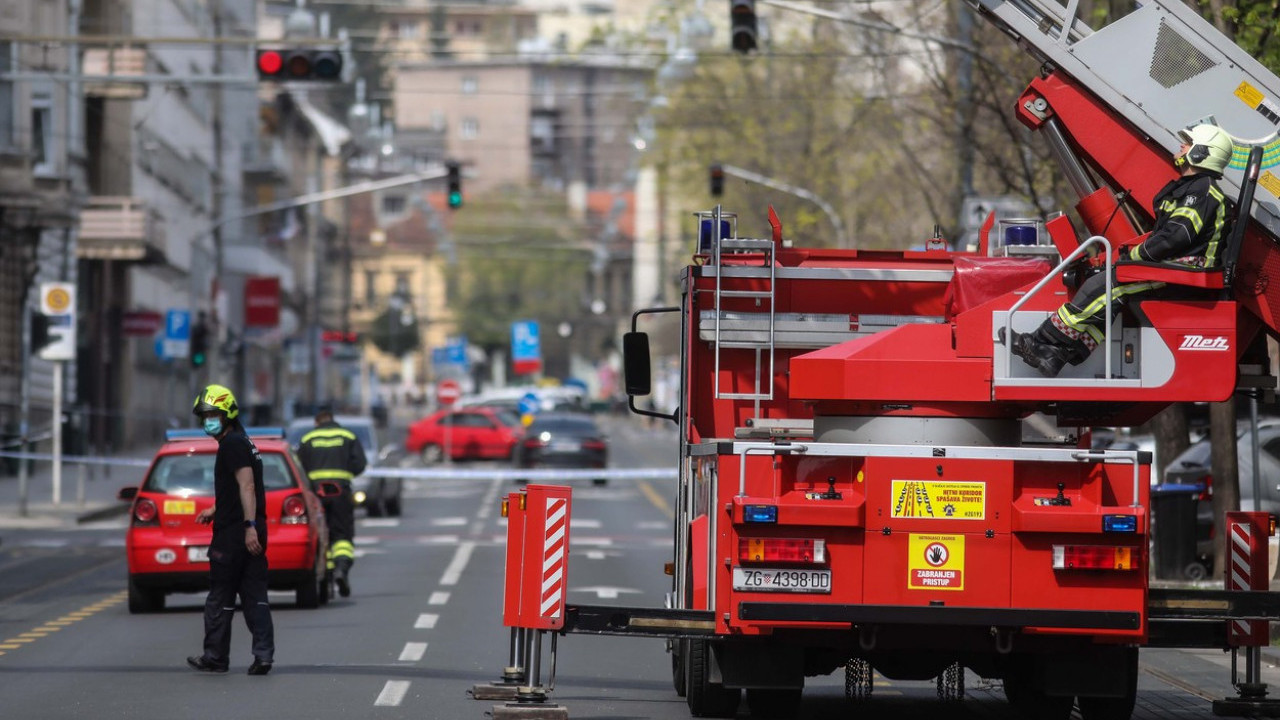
104, 513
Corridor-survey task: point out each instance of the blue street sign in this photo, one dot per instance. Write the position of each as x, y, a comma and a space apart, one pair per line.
529, 404
176, 342
524, 340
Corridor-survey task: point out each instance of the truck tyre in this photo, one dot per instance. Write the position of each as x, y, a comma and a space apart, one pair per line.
705, 698
773, 702
1029, 700
1114, 708
679, 651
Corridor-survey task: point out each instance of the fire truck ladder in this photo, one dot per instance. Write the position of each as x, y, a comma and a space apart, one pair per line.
1145, 65
763, 248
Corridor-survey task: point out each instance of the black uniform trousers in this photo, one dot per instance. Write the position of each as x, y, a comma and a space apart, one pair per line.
233, 571
340, 513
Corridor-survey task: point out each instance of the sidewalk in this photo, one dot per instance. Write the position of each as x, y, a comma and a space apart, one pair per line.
87, 493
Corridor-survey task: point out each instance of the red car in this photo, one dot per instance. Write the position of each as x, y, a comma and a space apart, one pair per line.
471, 433
168, 550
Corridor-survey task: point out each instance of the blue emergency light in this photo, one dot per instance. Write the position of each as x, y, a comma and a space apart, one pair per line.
760, 513
1120, 523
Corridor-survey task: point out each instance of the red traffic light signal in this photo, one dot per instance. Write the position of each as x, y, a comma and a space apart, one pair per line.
337, 336
742, 22
292, 64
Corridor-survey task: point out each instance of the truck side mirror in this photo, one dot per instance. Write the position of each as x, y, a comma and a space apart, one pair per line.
635, 363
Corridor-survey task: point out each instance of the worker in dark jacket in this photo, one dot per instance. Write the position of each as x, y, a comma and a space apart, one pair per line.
332, 452
1190, 230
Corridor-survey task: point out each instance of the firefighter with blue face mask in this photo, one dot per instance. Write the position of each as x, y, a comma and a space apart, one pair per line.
332, 452
238, 552
1191, 226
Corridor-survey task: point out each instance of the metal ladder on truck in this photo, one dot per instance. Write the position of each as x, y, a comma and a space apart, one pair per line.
721, 246
1146, 66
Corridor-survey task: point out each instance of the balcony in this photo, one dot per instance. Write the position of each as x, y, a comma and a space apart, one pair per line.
119, 228
264, 160
119, 65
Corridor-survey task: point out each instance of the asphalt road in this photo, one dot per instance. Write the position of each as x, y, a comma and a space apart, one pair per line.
423, 625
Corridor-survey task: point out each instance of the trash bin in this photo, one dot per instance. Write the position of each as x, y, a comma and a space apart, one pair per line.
1173, 520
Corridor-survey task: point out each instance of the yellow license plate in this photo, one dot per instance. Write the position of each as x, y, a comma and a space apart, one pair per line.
179, 507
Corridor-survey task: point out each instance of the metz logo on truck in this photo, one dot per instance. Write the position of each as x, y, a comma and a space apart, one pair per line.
1217, 343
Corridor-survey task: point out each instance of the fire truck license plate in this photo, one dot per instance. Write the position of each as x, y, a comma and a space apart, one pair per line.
774, 580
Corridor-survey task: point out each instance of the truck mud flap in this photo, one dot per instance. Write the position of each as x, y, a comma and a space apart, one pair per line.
904, 615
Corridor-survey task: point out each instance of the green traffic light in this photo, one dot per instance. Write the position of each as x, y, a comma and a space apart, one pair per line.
197, 360
455, 199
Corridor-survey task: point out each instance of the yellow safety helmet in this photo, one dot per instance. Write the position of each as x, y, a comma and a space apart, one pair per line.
1210, 149
216, 397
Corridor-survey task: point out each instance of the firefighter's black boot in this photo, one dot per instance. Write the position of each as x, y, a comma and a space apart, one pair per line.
341, 569
1045, 357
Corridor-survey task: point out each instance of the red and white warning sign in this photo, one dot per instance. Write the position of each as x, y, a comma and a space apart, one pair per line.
935, 562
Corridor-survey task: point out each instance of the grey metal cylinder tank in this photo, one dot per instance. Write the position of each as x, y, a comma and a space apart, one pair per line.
890, 430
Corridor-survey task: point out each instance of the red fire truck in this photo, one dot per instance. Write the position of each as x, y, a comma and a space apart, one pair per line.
859, 489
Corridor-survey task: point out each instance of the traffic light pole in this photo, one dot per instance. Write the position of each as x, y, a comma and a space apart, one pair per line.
799, 192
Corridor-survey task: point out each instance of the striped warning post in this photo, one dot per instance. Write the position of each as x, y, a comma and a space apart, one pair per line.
1238, 575
553, 556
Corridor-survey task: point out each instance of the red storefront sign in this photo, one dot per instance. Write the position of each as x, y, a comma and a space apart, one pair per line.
141, 323
262, 302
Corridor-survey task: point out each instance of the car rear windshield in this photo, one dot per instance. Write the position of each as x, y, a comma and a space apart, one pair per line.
193, 474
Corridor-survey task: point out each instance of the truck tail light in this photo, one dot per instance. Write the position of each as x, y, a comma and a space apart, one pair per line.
1093, 557
788, 550
144, 512
294, 511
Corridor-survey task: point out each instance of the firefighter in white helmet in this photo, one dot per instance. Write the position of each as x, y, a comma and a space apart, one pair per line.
1192, 219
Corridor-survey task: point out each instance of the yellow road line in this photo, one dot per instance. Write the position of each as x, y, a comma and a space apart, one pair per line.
53, 626
654, 497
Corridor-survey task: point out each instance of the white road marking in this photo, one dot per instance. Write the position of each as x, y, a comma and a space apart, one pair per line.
438, 539
41, 543
599, 541
584, 523
450, 521
365, 552
605, 592
413, 652
368, 540
595, 554
653, 525
392, 693
380, 522
438, 598
459, 563
427, 621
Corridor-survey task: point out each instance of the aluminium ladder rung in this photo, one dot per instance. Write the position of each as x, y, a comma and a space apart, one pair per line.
746, 293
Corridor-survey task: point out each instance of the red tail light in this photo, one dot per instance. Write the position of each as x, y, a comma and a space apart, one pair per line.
788, 550
593, 444
294, 511
533, 442
1094, 557
1207, 493
144, 512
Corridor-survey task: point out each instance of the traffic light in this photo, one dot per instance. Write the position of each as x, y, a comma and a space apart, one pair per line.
40, 335
742, 24
455, 184
199, 344
290, 64
717, 180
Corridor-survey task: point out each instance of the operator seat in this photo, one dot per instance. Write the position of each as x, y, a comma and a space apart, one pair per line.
1219, 278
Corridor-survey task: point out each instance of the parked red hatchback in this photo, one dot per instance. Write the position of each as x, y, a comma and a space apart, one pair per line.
471, 433
168, 550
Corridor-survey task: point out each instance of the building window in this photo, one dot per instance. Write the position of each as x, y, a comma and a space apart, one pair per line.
470, 85
408, 31
402, 283
6, 96
437, 120
393, 204
370, 287
43, 154
470, 128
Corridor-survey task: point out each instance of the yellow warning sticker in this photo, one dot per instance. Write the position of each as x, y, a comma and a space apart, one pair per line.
933, 499
935, 562
1250, 95
1270, 182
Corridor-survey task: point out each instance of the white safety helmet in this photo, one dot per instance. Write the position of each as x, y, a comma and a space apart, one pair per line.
1210, 149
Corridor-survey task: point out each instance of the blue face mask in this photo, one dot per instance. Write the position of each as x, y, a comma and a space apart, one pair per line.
213, 426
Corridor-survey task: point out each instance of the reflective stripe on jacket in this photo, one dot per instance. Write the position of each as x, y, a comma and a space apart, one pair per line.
331, 452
